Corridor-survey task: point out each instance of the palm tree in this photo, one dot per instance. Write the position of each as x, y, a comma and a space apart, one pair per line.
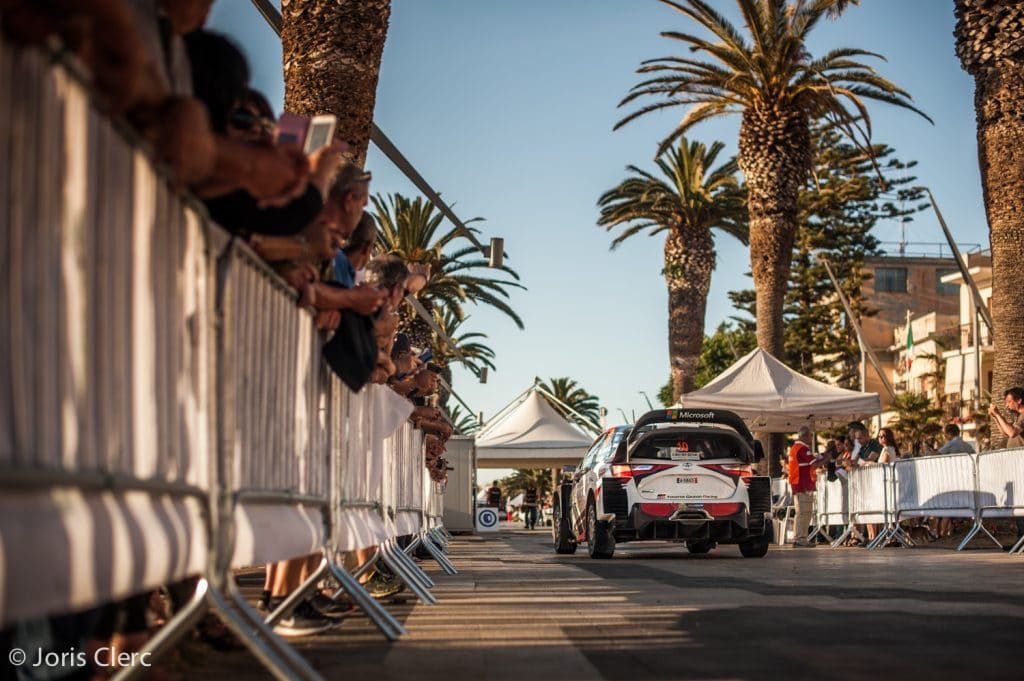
331, 54
522, 478
687, 201
569, 392
462, 422
411, 229
768, 77
476, 354
989, 42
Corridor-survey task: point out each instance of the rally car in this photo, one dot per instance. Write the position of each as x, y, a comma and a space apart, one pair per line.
676, 475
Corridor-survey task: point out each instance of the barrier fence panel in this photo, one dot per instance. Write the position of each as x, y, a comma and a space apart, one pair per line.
359, 524
274, 437
105, 447
409, 519
1000, 489
935, 486
832, 504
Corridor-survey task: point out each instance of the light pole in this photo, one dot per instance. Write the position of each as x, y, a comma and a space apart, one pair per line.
649, 405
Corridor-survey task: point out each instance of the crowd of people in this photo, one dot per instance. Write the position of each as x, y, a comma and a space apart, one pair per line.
185, 90
842, 456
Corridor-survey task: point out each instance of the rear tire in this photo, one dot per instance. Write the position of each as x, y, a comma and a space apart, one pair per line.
561, 530
754, 549
699, 547
600, 543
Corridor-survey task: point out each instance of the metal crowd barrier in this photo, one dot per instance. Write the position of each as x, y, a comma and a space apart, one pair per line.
1000, 490
164, 412
975, 486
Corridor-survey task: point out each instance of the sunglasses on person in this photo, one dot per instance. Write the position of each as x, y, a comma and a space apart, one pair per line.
245, 121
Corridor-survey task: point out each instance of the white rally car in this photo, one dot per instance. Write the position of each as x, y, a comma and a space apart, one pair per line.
676, 475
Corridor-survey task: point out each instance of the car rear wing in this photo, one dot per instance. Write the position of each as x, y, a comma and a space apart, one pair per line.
717, 416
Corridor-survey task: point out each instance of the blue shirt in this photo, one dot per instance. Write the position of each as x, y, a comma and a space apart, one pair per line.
344, 273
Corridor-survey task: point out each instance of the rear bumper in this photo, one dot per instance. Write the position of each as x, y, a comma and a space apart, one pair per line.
739, 527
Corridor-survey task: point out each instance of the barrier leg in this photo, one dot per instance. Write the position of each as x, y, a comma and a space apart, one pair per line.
415, 569
297, 596
439, 539
272, 652
1018, 547
173, 631
438, 555
979, 526
381, 618
402, 572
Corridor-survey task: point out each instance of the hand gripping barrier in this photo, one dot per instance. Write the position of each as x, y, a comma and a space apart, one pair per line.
1000, 490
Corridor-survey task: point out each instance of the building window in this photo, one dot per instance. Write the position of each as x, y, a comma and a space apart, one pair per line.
891, 279
944, 289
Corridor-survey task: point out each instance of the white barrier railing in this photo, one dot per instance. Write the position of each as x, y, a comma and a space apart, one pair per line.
164, 412
105, 375
1000, 488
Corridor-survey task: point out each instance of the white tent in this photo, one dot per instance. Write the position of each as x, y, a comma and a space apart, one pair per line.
770, 396
530, 435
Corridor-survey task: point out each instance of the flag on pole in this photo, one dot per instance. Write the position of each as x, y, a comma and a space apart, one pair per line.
910, 342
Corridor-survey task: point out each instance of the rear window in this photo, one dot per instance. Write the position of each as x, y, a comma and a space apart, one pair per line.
690, 447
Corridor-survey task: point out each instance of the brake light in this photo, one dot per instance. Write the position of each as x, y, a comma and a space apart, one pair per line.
637, 470
741, 471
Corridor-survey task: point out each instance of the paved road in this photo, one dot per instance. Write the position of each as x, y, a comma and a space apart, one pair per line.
518, 612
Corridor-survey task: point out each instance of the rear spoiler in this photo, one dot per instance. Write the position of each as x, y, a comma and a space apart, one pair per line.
719, 416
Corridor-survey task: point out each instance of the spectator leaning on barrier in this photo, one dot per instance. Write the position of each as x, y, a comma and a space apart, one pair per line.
865, 448
802, 461
890, 448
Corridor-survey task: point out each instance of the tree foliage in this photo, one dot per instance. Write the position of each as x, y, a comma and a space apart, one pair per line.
917, 420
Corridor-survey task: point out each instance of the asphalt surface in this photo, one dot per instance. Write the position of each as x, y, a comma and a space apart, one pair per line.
517, 611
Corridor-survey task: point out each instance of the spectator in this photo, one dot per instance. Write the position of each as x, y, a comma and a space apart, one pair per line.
530, 501
494, 495
865, 449
890, 448
801, 480
1013, 400
954, 443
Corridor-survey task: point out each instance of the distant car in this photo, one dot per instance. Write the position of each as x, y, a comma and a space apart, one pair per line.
677, 475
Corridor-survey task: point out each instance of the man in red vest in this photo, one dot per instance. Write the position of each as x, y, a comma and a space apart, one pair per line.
802, 461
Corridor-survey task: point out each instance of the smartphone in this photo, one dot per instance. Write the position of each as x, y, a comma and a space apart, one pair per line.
320, 133
309, 134
291, 129
426, 355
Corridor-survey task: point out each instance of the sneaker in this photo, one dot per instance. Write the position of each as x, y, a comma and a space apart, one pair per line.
328, 607
803, 544
304, 621
379, 586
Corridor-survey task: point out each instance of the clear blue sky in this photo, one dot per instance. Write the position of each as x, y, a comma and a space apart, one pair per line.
507, 108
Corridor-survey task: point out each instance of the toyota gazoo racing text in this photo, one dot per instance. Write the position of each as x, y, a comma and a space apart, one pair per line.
681, 475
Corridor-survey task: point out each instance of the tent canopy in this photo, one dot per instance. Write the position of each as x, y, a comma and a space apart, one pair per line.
530, 435
770, 396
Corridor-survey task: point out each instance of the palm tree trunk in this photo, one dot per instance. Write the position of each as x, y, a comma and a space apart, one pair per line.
689, 260
775, 157
331, 53
989, 53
